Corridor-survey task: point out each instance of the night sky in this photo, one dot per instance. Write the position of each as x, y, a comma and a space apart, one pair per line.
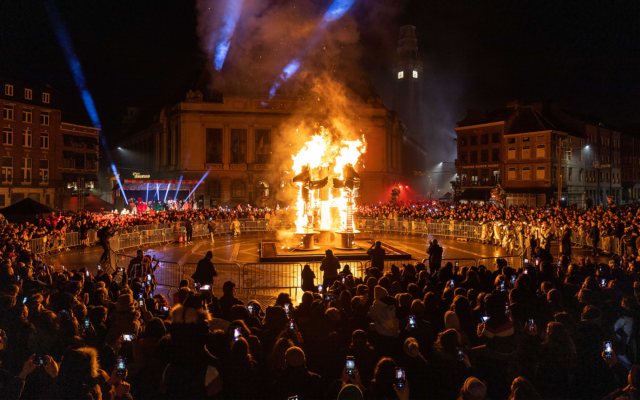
477, 54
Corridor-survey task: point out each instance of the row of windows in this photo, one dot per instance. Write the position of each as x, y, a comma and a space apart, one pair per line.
541, 152
401, 74
27, 138
27, 115
238, 189
526, 173
25, 170
214, 149
484, 156
28, 93
484, 139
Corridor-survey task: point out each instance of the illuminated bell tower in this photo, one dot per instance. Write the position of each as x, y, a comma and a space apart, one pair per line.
407, 72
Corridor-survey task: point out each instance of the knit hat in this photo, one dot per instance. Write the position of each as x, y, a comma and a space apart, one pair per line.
411, 347
380, 292
451, 321
350, 392
474, 389
125, 303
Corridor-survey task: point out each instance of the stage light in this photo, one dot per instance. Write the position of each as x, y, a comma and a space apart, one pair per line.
179, 183
199, 182
586, 147
336, 11
165, 195
119, 148
115, 173
230, 19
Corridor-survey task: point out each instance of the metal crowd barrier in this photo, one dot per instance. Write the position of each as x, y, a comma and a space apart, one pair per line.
271, 276
226, 272
462, 263
356, 268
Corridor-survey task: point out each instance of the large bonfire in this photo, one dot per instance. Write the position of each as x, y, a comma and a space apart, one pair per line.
326, 157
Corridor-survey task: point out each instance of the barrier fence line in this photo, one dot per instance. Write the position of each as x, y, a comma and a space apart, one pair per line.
389, 263
226, 272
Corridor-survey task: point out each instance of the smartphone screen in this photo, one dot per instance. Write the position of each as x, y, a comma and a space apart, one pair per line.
502, 286
205, 287
412, 322
526, 261
286, 308
457, 264
320, 288
344, 280
87, 323
121, 367
526, 272
400, 378
149, 278
351, 365
140, 296
99, 268
127, 338
237, 332
87, 273
559, 263
24, 300
460, 354
603, 283
292, 324
140, 303
166, 309
250, 308
484, 319
608, 350
513, 279
506, 307
452, 284
537, 261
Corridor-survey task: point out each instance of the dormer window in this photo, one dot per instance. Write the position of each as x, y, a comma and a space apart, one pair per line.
400, 74
415, 74
8, 90
28, 94
46, 97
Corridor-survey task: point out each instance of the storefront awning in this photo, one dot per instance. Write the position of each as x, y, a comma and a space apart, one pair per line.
184, 182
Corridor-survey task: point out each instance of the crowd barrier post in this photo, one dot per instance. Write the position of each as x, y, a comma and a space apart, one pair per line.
356, 268
226, 272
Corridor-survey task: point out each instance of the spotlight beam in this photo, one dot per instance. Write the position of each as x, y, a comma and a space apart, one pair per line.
115, 173
230, 19
179, 183
147, 198
165, 195
158, 190
334, 13
199, 182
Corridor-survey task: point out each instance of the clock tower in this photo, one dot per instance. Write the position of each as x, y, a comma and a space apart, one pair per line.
407, 73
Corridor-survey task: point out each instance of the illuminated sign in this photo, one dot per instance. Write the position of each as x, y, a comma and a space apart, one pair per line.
137, 175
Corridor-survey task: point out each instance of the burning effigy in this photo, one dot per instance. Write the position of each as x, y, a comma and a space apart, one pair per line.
325, 172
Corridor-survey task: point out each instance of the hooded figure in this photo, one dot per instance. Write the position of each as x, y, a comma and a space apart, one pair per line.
383, 313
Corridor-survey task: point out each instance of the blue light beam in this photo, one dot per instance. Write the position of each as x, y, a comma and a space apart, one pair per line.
158, 190
147, 198
179, 183
199, 182
334, 13
165, 195
115, 173
229, 21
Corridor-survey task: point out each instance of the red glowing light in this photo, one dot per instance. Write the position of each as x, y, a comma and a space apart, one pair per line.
406, 187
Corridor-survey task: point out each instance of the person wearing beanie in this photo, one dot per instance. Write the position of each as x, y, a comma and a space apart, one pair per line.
383, 313
124, 320
296, 379
473, 389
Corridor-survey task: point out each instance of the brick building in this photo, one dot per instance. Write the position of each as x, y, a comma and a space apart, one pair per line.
30, 127
43, 157
532, 150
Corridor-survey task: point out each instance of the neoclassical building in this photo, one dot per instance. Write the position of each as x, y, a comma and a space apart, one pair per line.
238, 141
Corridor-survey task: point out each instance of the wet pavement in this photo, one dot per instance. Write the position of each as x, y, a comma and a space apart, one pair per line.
244, 249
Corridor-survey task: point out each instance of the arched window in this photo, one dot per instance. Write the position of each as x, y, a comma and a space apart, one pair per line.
215, 190
238, 190
262, 187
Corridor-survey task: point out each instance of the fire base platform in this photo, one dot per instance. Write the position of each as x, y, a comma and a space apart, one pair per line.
272, 250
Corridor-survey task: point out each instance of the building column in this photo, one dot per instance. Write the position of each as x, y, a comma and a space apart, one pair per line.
251, 144
226, 146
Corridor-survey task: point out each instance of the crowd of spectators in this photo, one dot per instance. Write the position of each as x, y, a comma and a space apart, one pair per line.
559, 328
